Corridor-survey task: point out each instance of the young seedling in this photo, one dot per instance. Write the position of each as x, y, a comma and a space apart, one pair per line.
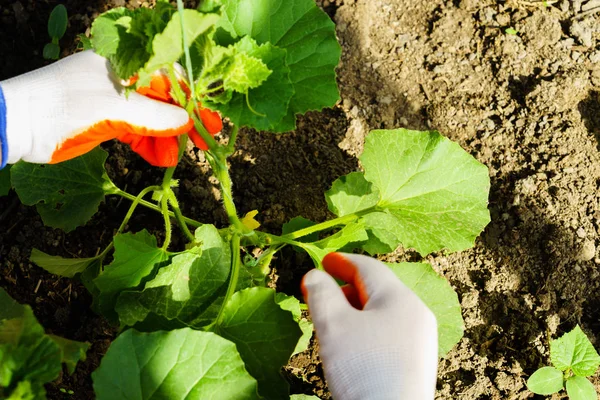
574, 359
57, 26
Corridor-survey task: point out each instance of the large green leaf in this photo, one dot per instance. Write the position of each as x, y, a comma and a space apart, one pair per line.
167, 46
72, 351
307, 34
176, 365
67, 267
292, 305
28, 357
263, 106
574, 351
136, 257
5, 181
546, 380
579, 388
189, 290
57, 23
265, 335
68, 194
438, 295
432, 195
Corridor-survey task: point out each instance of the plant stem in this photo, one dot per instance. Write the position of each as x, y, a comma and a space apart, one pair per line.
218, 163
208, 139
236, 263
180, 218
231, 145
186, 49
165, 211
134, 205
345, 220
155, 207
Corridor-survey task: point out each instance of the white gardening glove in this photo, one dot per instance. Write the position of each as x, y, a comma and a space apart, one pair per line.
387, 350
66, 109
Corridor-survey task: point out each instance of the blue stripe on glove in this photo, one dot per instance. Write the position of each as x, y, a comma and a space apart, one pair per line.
3, 139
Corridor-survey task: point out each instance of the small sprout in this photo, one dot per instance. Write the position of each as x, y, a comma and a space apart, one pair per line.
511, 31
574, 359
57, 26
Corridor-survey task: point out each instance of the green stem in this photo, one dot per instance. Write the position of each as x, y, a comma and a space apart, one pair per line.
345, 220
134, 205
165, 211
186, 49
208, 139
180, 218
219, 166
231, 145
155, 207
236, 263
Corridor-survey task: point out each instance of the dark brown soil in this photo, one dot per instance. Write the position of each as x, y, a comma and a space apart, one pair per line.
526, 105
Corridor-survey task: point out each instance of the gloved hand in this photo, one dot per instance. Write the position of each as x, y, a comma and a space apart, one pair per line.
385, 349
66, 109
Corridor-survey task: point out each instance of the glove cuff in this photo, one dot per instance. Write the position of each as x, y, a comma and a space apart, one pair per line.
3, 139
18, 115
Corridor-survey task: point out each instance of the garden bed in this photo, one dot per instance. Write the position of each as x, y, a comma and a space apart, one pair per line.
525, 104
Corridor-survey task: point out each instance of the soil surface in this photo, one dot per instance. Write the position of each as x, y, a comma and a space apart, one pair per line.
527, 105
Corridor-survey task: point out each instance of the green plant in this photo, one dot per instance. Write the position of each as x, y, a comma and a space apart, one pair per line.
210, 300
29, 358
57, 26
574, 359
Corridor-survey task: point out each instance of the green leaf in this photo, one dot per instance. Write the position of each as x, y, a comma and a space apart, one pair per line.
25, 390
167, 46
176, 365
579, 388
574, 351
545, 381
189, 290
439, 296
268, 102
26, 352
265, 335
352, 233
51, 51
68, 194
57, 23
67, 267
5, 181
435, 191
350, 194
108, 29
72, 351
308, 36
298, 223
292, 304
136, 257
381, 229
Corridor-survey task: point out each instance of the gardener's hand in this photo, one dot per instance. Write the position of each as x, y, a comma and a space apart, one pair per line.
66, 109
385, 349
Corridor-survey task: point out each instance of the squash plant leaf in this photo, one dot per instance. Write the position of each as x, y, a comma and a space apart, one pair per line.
579, 388
68, 194
176, 365
136, 257
67, 267
262, 105
292, 304
574, 351
308, 36
431, 194
265, 335
5, 181
546, 381
72, 351
188, 291
28, 357
438, 295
